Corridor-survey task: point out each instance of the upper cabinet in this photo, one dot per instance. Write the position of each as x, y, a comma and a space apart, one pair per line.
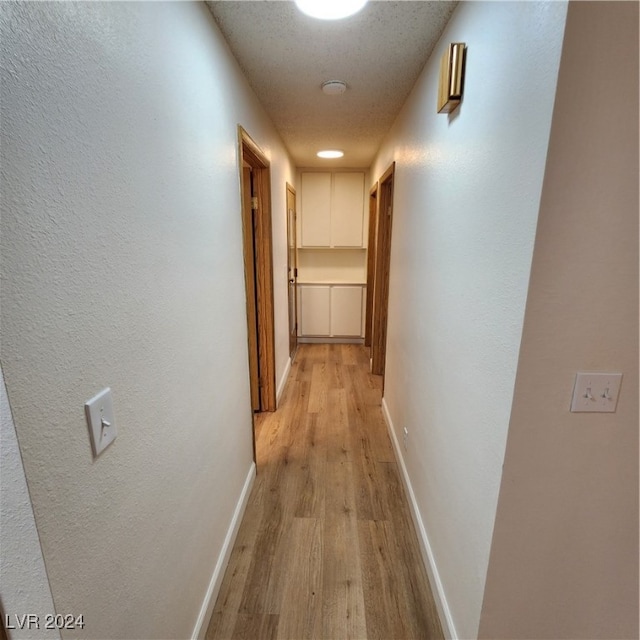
332, 209
315, 209
347, 210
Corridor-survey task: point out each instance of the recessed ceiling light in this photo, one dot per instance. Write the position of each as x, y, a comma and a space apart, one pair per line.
334, 87
330, 153
330, 9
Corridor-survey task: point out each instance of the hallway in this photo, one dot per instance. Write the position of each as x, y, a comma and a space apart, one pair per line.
326, 548
123, 269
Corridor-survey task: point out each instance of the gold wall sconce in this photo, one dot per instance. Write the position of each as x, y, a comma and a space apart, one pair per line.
451, 77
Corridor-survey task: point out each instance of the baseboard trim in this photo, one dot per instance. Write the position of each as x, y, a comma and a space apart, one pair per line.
206, 611
283, 381
330, 340
439, 596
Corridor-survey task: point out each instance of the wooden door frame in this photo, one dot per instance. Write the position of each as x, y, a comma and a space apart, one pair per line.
371, 263
251, 153
248, 235
383, 263
294, 268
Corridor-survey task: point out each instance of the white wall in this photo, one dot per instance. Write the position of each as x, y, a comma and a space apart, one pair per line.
467, 194
122, 267
21, 561
564, 558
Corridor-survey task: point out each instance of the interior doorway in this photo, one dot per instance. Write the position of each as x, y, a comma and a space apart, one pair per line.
255, 181
292, 270
382, 267
371, 264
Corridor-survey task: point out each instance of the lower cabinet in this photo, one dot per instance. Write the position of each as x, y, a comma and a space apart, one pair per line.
346, 311
332, 311
315, 310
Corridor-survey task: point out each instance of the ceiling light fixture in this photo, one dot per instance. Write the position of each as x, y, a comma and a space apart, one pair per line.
334, 87
330, 153
330, 9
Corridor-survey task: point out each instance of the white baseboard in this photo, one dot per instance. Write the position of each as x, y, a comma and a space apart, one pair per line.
206, 611
283, 381
439, 596
307, 340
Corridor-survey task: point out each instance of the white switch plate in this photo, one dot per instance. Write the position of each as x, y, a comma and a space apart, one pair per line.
101, 421
596, 392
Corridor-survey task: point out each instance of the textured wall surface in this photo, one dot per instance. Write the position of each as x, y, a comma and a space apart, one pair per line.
122, 267
564, 558
466, 201
21, 561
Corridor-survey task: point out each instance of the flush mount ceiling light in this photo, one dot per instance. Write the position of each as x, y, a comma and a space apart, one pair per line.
334, 87
330, 153
330, 9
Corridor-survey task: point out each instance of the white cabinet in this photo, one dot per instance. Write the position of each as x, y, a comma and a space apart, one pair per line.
347, 210
346, 311
332, 209
331, 310
315, 209
315, 305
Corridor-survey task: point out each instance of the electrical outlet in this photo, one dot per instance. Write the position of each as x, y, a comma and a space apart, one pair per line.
405, 437
101, 421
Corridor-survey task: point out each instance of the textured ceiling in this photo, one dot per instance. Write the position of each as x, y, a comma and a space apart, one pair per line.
286, 56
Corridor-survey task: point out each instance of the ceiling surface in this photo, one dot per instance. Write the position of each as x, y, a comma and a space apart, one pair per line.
286, 56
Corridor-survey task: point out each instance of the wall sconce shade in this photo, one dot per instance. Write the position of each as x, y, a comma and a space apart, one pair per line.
451, 77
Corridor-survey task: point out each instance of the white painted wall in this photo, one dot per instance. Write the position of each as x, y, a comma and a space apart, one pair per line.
21, 561
467, 194
564, 558
122, 267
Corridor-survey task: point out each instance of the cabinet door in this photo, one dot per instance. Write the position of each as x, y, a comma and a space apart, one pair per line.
315, 319
315, 209
347, 209
346, 311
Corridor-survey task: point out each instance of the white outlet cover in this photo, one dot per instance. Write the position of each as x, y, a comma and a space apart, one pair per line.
596, 392
101, 421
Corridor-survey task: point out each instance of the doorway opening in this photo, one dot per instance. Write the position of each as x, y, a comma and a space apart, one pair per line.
255, 182
371, 263
292, 270
381, 278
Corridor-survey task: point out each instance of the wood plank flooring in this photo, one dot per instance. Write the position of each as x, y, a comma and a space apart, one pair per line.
326, 549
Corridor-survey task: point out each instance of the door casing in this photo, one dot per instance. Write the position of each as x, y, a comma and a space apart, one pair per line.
258, 264
383, 264
292, 269
248, 239
371, 263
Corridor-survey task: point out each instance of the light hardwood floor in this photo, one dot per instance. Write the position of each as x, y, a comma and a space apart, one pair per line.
326, 548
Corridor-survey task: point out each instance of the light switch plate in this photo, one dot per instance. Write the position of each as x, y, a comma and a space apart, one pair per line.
101, 421
596, 392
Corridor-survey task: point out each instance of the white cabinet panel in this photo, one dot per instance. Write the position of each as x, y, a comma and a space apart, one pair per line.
315, 318
332, 209
347, 210
331, 311
346, 311
315, 209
